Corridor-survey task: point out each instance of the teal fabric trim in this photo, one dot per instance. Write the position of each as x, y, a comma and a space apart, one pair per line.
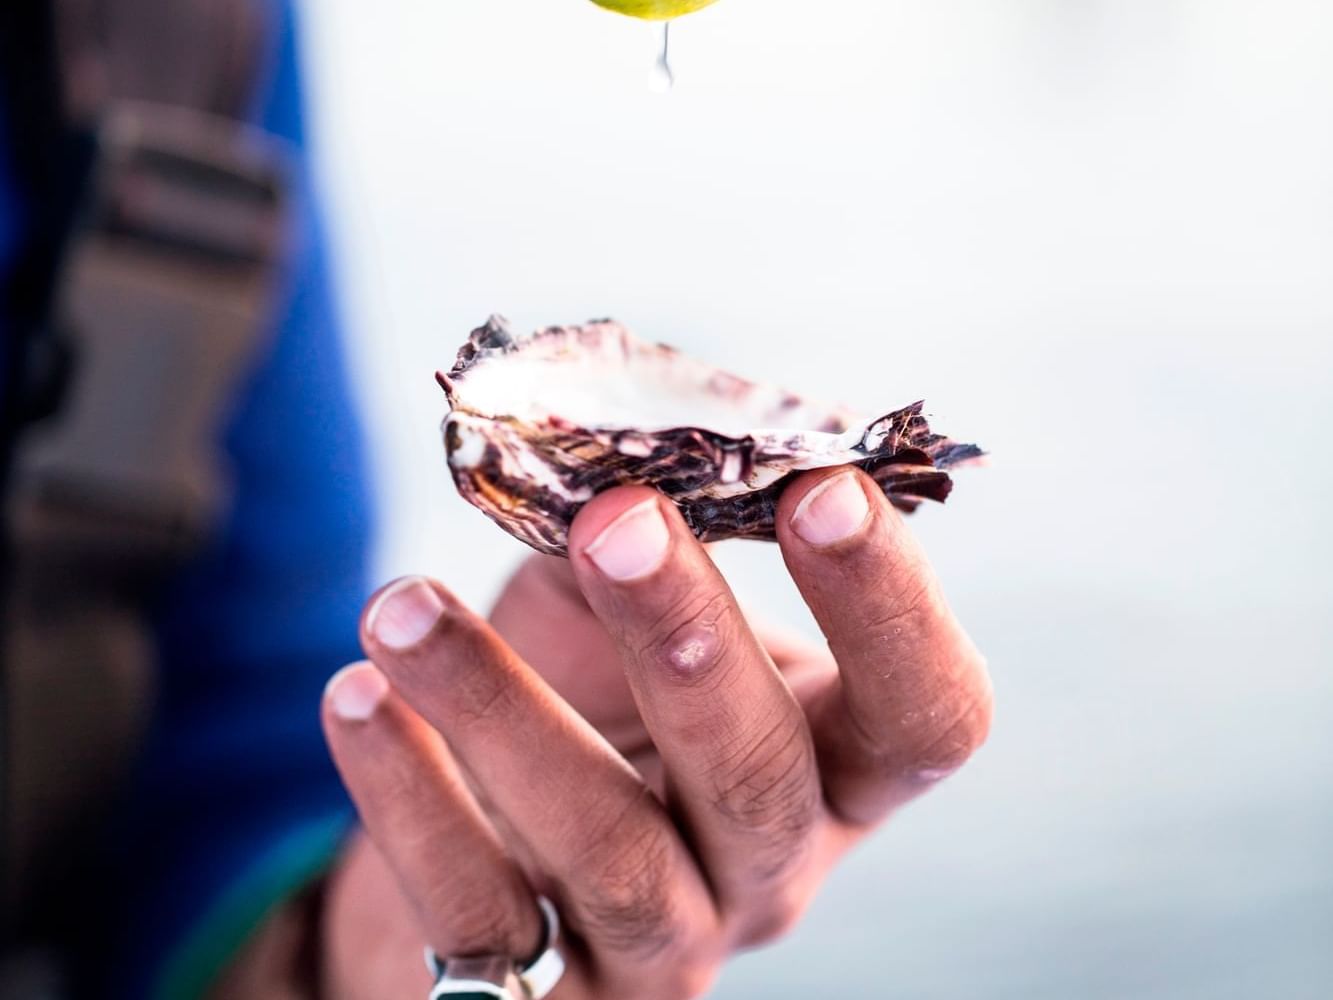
291, 865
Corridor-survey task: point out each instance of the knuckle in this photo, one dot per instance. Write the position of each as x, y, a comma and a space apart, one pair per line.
628, 904
928, 721
467, 919
484, 697
691, 638
771, 792
949, 742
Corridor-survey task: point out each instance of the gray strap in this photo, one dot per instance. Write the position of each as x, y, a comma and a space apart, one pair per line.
200, 54
167, 293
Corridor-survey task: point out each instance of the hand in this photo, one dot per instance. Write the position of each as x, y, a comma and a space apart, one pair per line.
543, 599
478, 783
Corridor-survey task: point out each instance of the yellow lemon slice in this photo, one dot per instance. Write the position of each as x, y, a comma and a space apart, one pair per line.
654, 10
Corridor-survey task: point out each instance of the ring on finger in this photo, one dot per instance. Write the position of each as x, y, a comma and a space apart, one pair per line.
499, 977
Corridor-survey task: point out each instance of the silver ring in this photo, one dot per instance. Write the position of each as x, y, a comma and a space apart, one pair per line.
497, 977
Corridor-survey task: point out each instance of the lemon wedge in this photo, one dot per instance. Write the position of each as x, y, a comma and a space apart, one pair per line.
654, 10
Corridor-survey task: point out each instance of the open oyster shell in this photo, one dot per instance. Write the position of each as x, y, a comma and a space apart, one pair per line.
539, 426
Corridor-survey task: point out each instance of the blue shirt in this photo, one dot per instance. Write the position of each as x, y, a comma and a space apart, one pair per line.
235, 802
11, 220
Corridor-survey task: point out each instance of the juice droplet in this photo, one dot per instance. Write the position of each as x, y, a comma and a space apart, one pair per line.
662, 79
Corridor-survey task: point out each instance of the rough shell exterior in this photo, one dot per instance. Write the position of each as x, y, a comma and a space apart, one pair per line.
531, 476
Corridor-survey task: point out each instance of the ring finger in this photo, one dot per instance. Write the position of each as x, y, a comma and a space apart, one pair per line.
469, 897
625, 879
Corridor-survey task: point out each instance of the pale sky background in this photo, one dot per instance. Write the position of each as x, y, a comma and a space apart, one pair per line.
1097, 237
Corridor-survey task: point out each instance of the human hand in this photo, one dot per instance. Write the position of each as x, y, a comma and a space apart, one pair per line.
542, 599
479, 784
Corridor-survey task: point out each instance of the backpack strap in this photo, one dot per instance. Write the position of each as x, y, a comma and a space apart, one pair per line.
163, 292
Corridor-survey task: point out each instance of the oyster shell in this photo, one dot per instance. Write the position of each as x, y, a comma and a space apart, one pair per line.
539, 426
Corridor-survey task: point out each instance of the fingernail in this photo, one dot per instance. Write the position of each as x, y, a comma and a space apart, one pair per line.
405, 613
633, 545
832, 511
355, 692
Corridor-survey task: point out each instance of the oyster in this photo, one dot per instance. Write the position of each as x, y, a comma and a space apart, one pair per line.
539, 426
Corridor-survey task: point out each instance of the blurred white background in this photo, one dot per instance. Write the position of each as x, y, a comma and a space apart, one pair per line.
1097, 237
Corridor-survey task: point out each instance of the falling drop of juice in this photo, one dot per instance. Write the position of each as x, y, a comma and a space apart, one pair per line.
662, 79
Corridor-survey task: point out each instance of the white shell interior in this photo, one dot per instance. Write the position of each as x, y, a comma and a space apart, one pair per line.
618, 382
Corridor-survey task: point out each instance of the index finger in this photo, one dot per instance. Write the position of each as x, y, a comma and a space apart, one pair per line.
913, 699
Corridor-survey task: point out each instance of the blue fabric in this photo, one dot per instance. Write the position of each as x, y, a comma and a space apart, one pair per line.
10, 215
251, 632
235, 765
11, 223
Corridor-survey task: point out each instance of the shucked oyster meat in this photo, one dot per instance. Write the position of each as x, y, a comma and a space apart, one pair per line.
539, 426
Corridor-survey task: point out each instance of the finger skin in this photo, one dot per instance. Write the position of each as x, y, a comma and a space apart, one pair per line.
468, 895
625, 882
914, 698
740, 763
542, 602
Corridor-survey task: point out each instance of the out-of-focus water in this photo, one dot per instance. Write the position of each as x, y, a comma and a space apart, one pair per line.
1097, 237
